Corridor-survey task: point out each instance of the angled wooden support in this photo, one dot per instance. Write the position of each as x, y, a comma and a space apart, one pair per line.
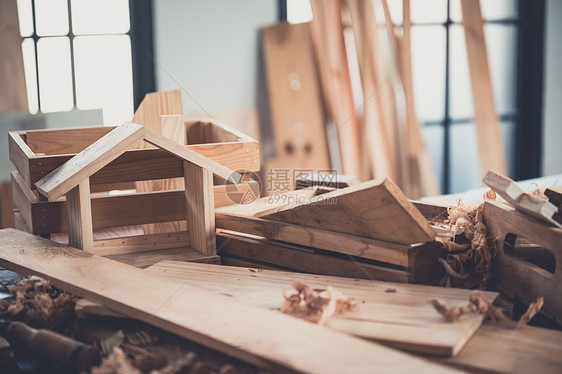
199, 199
90, 160
79, 213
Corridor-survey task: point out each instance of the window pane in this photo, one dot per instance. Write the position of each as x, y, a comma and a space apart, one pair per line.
460, 92
395, 8
28, 48
25, 17
434, 140
55, 77
491, 9
100, 16
51, 17
298, 11
501, 44
104, 76
428, 66
423, 11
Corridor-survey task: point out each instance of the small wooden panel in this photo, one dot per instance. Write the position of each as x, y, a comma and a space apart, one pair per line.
262, 337
141, 243
294, 95
403, 319
490, 143
7, 206
90, 160
376, 209
13, 91
79, 213
67, 141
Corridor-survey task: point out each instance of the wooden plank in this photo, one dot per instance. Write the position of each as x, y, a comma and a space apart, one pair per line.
376, 209
200, 208
19, 154
13, 91
402, 319
327, 33
262, 337
148, 258
19, 223
64, 141
79, 213
187, 154
141, 243
7, 206
495, 349
490, 143
23, 197
294, 95
90, 160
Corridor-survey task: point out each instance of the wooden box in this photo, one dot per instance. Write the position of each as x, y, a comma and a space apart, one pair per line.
117, 215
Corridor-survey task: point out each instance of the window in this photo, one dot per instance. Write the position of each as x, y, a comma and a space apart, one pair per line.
77, 54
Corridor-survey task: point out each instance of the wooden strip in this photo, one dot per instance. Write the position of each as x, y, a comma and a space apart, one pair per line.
13, 91
7, 206
148, 258
200, 208
79, 213
141, 243
20, 154
262, 337
402, 319
490, 143
23, 198
64, 141
376, 209
187, 154
90, 160
19, 222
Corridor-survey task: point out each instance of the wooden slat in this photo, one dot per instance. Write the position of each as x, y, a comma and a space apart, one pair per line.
90, 160
262, 337
79, 213
376, 209
13, 92
23, 198
64, 141
294, 96
141, 243
147, 258
490, 143
19, 154
403, 319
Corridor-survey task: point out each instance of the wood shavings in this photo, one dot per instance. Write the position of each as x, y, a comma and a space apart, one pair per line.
314, 305
490, 195
116, 363
479, 304
390, 290
109, 344
37, 303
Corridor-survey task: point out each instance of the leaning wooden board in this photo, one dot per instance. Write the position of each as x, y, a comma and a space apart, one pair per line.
403, 319
259, 336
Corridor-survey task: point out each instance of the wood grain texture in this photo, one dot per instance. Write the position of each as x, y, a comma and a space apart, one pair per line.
13, 91
7, 206
64, 141
403, 319
90, 160
327, 32
148, 258
376, 209
294, 96
490, 143
79, 213
265, 338
200, 208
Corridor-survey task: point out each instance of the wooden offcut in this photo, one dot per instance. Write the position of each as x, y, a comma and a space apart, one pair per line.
79, 213
262, 337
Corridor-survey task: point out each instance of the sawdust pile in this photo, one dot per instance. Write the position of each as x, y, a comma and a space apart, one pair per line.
479, 304
314, 305
468, 263
37, 303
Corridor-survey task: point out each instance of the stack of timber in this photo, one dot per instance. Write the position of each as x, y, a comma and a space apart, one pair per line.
369, 230
38, 153
259, 336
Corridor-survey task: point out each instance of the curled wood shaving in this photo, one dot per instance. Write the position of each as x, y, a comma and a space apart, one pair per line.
479, 304
314, 305
116, 363
490, 195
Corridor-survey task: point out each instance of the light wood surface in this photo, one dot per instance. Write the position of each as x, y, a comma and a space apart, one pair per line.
13, 91
259, 336
376, 209
490, 143
403, 319
79, 213
90, 160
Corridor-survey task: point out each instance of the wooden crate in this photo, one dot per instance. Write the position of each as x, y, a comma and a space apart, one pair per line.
37, 153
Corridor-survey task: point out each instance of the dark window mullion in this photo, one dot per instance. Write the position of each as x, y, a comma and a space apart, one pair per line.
71, 39
35, 40
447, 119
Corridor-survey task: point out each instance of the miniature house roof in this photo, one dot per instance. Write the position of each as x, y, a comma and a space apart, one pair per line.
112, 145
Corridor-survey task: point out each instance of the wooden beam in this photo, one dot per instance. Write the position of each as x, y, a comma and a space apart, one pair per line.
490, 144
79, 213
200, 208
262, 337
90, 160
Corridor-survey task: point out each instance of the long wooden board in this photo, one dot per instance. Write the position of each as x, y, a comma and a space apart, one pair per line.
261, 337
376, 209
403, 319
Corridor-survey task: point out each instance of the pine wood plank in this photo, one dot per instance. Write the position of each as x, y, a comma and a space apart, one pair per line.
261, 337
490, 143
376, 209
13, 91
90, 160
294, 95
67, 141
79, 213
327, 32
403, 319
